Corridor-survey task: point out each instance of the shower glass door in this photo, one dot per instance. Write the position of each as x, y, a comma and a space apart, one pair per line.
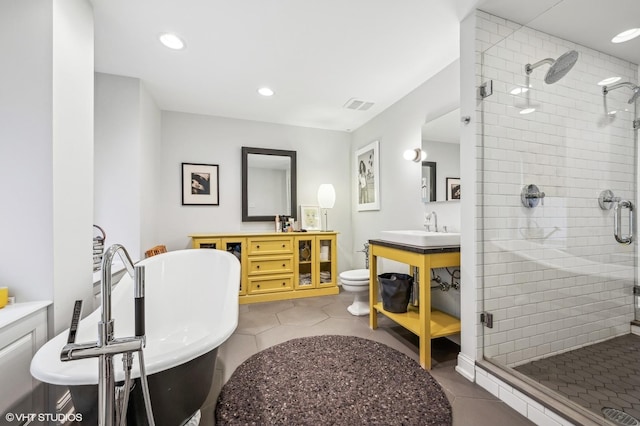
554, 277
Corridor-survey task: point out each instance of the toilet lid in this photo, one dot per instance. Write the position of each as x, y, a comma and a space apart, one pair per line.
363, 283
355, 275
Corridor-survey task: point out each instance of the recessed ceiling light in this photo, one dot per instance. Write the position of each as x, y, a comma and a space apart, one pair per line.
626, 35
527, 111
265, 91
172, 41
609, 80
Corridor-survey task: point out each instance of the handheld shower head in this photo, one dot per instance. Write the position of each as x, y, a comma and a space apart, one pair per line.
559, 67
634, 87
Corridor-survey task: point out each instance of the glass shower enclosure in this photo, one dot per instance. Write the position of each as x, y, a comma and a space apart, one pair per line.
557, 186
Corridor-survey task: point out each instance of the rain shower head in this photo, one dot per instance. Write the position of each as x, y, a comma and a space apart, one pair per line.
559, 67
636, 92
634, 87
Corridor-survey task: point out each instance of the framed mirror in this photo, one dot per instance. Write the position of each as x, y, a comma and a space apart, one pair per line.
441, 142
268, 184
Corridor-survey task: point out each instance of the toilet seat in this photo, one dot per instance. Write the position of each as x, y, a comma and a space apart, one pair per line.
355, 275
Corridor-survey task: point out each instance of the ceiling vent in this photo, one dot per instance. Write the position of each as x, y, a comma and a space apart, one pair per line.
358, 104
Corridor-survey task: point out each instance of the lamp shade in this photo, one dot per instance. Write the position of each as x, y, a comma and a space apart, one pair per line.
326, 196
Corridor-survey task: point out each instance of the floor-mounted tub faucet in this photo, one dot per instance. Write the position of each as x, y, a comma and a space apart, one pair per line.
107, 346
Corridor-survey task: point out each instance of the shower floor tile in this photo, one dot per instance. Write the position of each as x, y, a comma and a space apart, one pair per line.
606, 374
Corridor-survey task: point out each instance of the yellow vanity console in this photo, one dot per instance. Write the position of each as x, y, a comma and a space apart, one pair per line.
426, 323
280, 266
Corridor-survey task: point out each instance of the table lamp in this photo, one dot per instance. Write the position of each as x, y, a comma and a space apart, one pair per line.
326, 200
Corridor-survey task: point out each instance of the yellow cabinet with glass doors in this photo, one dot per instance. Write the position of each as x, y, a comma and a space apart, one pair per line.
279, 266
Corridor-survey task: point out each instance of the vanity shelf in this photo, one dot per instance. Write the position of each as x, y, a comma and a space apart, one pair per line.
442, 324
429, 323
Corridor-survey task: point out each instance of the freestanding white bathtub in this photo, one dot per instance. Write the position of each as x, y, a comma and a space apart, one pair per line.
191, 309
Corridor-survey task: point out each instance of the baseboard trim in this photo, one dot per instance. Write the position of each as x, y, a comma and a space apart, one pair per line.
466, 367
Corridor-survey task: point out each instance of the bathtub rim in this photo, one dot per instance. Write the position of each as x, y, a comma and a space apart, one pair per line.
47, 367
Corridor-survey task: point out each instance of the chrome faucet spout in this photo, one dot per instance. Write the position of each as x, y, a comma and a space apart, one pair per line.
106, 327
92, 350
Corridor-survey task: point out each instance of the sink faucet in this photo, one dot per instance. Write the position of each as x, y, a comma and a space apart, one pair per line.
107, 346
427, 221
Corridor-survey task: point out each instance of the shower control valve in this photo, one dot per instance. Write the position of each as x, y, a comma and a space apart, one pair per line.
531, 196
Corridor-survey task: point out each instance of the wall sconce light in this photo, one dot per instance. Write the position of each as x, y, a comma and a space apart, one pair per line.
417, 155
326, 200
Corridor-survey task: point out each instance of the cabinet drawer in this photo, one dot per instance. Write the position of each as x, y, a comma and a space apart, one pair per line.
270, 285
270, 265
275, 245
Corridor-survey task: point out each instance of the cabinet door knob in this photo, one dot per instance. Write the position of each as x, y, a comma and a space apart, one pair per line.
284, 265
258, 285
257, 266
258, 246
284, 284
283, 246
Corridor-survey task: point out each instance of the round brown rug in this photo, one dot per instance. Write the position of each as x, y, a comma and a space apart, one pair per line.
331, 380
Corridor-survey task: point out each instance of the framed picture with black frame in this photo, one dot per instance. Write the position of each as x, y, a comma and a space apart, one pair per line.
453, 188
200, 184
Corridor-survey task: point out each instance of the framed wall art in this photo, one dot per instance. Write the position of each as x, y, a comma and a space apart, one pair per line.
310, 218
200, 184
367, 173
453, 188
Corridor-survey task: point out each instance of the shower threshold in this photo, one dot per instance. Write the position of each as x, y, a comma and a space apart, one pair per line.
552, 401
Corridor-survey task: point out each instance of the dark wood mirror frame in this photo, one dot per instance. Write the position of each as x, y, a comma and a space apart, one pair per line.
245, 193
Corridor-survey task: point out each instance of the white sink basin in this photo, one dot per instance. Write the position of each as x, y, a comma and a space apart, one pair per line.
422, 238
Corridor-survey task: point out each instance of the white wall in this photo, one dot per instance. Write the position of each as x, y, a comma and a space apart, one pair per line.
150, 172
127, 163
72, 155
470, 297
26, 163
322, 157
399, 128
46, 150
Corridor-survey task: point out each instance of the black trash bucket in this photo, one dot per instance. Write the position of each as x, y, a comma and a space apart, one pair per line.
396, 291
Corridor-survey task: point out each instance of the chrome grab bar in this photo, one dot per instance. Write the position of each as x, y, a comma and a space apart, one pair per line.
617, 221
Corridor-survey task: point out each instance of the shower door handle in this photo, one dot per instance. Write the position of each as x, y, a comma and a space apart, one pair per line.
617, 221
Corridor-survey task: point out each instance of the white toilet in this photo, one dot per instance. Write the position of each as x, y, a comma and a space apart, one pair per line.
357, 281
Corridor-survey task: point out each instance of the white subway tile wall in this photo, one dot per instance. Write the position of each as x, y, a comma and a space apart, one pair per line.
554, 277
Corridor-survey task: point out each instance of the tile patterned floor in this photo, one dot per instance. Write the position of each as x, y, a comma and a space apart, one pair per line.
606, 374
266, 324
